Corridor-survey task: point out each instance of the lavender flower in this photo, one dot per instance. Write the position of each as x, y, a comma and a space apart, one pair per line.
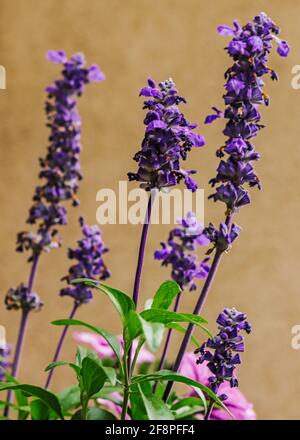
250, 48
178, 252
60, 168
223, 237
89, 264
20, 298
4, 363
222, 361
168, 139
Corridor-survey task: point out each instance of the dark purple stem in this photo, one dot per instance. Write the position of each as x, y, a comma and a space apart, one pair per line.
59, 346
137, 280
200, 303
22, 331
167, 343
140, 262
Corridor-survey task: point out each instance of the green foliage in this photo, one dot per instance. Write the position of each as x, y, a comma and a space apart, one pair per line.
100, 378
48, 398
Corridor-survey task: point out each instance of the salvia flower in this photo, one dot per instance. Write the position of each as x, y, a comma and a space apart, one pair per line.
89, 263
236, 401
223, 237
19, 298
60, 168
250, 48
168, 139
222, 352
179, 252
5, 352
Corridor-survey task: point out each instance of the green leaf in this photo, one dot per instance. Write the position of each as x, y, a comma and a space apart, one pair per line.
153, 333
165, 295
55, 364
156, 408
112, 341
99, 414
61, 363
21, 399
165, 317
81, 353
187, 401
168, 375
122, 302
48, 398
94, 414
69, 398
132, 328
39, 410
111, 374
93, 377
137, 408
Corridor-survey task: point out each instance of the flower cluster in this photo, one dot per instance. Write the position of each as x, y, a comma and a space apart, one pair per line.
168, 139
179, 250
250, 48
19, 298
4, 363
60, 168
90, 264
222, 362
236, 401
223, 237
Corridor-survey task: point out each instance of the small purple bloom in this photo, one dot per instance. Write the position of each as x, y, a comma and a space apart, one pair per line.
5, 351
168, 139
19, 298
223, 237
89, 264
179, 252
221, 352
283, 49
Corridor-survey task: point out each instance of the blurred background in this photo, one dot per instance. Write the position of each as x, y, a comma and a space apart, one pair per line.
130, 40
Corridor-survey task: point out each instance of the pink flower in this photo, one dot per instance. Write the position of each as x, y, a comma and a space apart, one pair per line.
236, 402
101, 347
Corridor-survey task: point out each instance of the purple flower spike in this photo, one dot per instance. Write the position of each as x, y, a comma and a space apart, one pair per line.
250, 48
168, 139
60, 169
89, 264
5, 352
178, 252
221, 352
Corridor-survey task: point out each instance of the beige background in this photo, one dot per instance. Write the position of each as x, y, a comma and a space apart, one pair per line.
132, 39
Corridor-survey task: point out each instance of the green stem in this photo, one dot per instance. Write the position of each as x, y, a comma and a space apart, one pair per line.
126, 388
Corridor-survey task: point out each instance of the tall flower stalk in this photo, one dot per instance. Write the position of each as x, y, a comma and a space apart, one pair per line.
60, 176
168, 139
89, 264
179, 253
250, 48
221, 353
